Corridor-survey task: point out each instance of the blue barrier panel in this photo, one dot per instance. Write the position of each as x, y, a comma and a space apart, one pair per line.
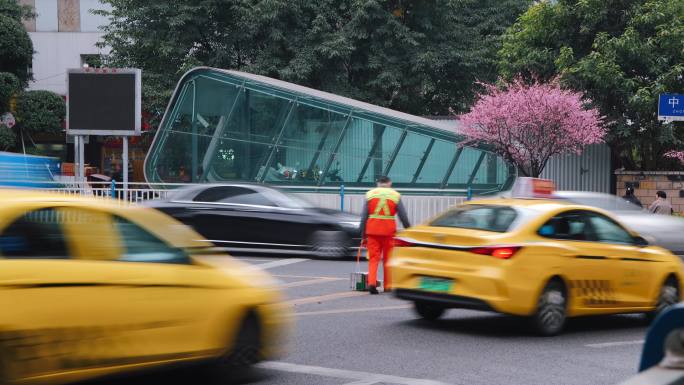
654, 347
19, 170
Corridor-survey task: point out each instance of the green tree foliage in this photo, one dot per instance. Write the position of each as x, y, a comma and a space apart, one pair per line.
415, 56
16, 48
15, 10
8, 138
9, 86
40, 112
620, 53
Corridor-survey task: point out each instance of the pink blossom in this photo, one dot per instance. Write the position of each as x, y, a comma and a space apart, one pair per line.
679, 155
529, 123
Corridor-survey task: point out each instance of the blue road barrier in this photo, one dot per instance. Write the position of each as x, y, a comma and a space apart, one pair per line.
654, 347
20, 170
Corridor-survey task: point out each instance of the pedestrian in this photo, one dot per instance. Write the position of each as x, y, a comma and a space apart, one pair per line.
117, 174
378, 227
631, 198
661, 205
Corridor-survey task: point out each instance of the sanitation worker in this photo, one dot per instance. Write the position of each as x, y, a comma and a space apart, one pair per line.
378, 227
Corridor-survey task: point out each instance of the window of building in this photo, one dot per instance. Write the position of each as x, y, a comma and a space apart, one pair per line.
95, 60
46, 16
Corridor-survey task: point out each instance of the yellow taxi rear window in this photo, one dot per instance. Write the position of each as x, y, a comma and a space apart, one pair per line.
478, 217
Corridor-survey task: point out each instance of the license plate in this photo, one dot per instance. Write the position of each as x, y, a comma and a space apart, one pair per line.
441, 285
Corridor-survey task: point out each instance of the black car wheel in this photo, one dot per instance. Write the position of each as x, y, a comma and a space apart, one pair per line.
246, 348
549, 319
329, 244
667, 296
427, 311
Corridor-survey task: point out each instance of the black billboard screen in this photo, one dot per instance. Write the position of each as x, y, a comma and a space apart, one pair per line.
102, 102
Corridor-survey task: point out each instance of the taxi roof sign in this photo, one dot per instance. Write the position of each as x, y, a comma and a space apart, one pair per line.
533, 188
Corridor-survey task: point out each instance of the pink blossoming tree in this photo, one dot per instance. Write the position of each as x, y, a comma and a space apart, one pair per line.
529, 123
679, 155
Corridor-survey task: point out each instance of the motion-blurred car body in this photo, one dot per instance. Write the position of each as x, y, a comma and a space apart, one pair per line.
543, 258
258, 218
663, 230
95, 287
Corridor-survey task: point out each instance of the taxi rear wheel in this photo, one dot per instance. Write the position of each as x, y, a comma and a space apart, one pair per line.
549, 319
428, 311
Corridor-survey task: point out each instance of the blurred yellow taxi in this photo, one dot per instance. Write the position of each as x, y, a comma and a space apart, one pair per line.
532, 257
95, 287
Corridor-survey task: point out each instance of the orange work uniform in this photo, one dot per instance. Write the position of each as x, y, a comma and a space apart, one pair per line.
379, 228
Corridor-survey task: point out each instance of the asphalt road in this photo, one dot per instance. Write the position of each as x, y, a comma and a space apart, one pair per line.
346, 337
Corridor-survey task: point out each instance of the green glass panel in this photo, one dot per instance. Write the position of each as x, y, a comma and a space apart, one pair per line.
238, 160
437, 163
382, 142
352, 154
408, 158
307, 141
173, 163
464, 167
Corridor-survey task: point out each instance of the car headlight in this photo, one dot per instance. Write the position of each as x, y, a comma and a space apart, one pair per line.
350, 225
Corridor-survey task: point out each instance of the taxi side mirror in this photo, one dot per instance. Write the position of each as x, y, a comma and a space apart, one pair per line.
640, 241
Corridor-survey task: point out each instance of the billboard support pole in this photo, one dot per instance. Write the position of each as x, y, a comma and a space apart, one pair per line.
81, 160
124, 157
75, 157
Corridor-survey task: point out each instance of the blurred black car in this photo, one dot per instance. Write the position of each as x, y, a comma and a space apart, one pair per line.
666, 231
258, 218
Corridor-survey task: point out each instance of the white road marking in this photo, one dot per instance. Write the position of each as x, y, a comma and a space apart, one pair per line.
248, 259
309, 282
303, 276
326, 297
357, 310
359, 377
616, 343
281, 262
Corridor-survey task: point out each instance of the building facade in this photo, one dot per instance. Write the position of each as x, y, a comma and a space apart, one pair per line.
229, 126
64, 35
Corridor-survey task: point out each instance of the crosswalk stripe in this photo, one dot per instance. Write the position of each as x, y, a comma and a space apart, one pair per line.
366, 377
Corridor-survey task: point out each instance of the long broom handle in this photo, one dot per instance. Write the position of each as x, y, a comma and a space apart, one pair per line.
358, 256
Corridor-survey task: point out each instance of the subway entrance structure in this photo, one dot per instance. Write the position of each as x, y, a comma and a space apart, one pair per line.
228, 126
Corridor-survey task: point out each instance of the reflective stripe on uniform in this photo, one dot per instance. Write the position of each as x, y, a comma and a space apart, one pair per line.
374, 216
382, 209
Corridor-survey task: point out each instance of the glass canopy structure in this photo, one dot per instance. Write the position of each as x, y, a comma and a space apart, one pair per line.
229, 126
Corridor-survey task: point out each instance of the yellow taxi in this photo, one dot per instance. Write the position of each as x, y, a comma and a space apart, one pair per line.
95, 287
542, 258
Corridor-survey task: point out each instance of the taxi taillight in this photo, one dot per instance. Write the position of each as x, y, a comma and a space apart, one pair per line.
501, 252
398, 242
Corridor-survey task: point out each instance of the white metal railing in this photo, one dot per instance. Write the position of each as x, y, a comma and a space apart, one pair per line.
419, 207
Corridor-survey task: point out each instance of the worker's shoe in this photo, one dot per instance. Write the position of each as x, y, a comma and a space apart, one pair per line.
372, 289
